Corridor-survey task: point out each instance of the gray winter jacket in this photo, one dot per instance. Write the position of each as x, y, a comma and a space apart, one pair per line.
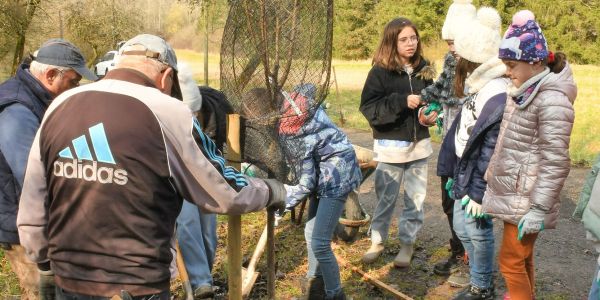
531, 160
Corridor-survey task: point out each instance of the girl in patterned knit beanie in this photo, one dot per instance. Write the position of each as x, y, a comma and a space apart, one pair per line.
531, 159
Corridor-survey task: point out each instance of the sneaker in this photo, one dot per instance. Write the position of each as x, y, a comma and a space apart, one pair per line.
449, 266
475, 293
506, 296
204, 292
373, 253
404, 256
459, 279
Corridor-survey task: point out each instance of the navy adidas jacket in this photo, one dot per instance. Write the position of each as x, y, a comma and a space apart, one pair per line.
23, 101
106, 177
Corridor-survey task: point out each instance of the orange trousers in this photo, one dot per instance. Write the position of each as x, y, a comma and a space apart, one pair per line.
516, 263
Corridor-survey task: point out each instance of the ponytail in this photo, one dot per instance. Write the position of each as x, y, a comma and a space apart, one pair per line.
556, 61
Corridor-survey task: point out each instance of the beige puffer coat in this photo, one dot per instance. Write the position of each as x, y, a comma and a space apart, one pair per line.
531, 159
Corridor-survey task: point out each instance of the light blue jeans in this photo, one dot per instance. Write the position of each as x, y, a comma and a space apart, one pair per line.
197, 237
595, 290
323, 216
479, 243
388, 178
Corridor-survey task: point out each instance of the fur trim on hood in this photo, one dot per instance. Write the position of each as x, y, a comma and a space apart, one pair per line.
491, 69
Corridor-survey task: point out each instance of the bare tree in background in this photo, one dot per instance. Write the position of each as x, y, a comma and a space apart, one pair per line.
15, 17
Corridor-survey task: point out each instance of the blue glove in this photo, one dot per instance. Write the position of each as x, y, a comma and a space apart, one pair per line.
531, 222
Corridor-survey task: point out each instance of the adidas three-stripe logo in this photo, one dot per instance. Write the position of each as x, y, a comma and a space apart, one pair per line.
84, 166
82, 150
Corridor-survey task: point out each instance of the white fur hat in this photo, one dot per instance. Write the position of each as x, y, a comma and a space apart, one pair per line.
189, 87
481, 38
459, 13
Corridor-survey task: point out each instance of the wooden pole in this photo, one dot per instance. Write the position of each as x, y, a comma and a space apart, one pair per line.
234, 222
368, 278
270, 255
183, 275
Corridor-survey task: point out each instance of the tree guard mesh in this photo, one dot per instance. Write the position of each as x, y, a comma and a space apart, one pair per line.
270, 49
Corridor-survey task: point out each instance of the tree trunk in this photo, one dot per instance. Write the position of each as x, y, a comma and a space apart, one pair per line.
20, 48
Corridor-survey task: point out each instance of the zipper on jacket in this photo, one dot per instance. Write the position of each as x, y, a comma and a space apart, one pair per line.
416, 113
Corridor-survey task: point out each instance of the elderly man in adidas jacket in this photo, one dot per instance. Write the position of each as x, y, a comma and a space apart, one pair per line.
107, 175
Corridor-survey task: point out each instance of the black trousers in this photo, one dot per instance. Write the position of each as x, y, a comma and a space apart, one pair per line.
448, 206
64, 295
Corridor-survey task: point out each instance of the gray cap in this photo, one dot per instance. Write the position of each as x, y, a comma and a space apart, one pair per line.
155, 48
61, 53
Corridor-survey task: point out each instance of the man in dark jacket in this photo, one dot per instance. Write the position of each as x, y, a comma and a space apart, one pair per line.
107, 174
58, 66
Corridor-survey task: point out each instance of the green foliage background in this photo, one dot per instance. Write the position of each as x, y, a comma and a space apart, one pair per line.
571, 26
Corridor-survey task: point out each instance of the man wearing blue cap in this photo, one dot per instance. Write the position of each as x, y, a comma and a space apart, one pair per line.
57, 67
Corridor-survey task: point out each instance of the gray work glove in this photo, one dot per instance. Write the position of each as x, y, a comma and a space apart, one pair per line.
531, 222
46, 286
277, 195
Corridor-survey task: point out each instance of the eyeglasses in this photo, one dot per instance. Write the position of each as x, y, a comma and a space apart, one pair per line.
404, 40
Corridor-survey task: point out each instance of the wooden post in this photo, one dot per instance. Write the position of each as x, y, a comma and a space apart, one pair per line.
234, 222
271, 255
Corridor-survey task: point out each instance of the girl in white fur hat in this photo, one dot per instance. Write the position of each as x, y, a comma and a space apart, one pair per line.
442, 91
470, 142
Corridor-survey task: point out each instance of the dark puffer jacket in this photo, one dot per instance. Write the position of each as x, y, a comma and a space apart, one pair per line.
384, 102
468, 170
23, 101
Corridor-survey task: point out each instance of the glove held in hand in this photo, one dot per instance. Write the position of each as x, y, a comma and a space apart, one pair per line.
277, 195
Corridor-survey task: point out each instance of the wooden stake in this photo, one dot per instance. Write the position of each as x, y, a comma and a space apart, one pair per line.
183, 275
368, 278
271, 255
234, 222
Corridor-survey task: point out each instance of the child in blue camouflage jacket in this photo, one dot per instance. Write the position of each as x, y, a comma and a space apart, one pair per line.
325, 164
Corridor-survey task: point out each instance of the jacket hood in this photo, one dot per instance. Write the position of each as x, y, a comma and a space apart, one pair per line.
491, 69
561, 82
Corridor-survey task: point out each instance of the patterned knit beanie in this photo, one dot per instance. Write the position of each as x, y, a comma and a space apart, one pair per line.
459, 14
524, 39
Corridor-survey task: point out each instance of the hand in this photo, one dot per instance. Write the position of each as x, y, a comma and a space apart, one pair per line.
277, 195
413, 101
474, 210
427, 120
46, 286
448, 187
531, 222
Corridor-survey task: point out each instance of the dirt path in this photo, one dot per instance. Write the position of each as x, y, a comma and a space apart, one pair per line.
564, 262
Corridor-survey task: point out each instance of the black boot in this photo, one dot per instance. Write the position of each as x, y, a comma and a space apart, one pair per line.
475, 293
445, 268
314, 289
339, 296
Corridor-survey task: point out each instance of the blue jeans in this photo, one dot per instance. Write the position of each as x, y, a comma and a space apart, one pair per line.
323, 216
479, 243
595, 290
197, 237
388, 178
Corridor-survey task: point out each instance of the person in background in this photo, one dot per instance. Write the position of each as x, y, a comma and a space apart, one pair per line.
325, 165
391, 103
469, 144
196, 230
104, 215
442, 91
587, 210
24, 98
531, 159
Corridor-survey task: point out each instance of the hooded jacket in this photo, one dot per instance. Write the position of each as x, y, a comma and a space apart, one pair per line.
384, 102
588, 207
325, 161
23, 101
468, 170
531, 160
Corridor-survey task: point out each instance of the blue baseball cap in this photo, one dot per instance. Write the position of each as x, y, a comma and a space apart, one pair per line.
62, 53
